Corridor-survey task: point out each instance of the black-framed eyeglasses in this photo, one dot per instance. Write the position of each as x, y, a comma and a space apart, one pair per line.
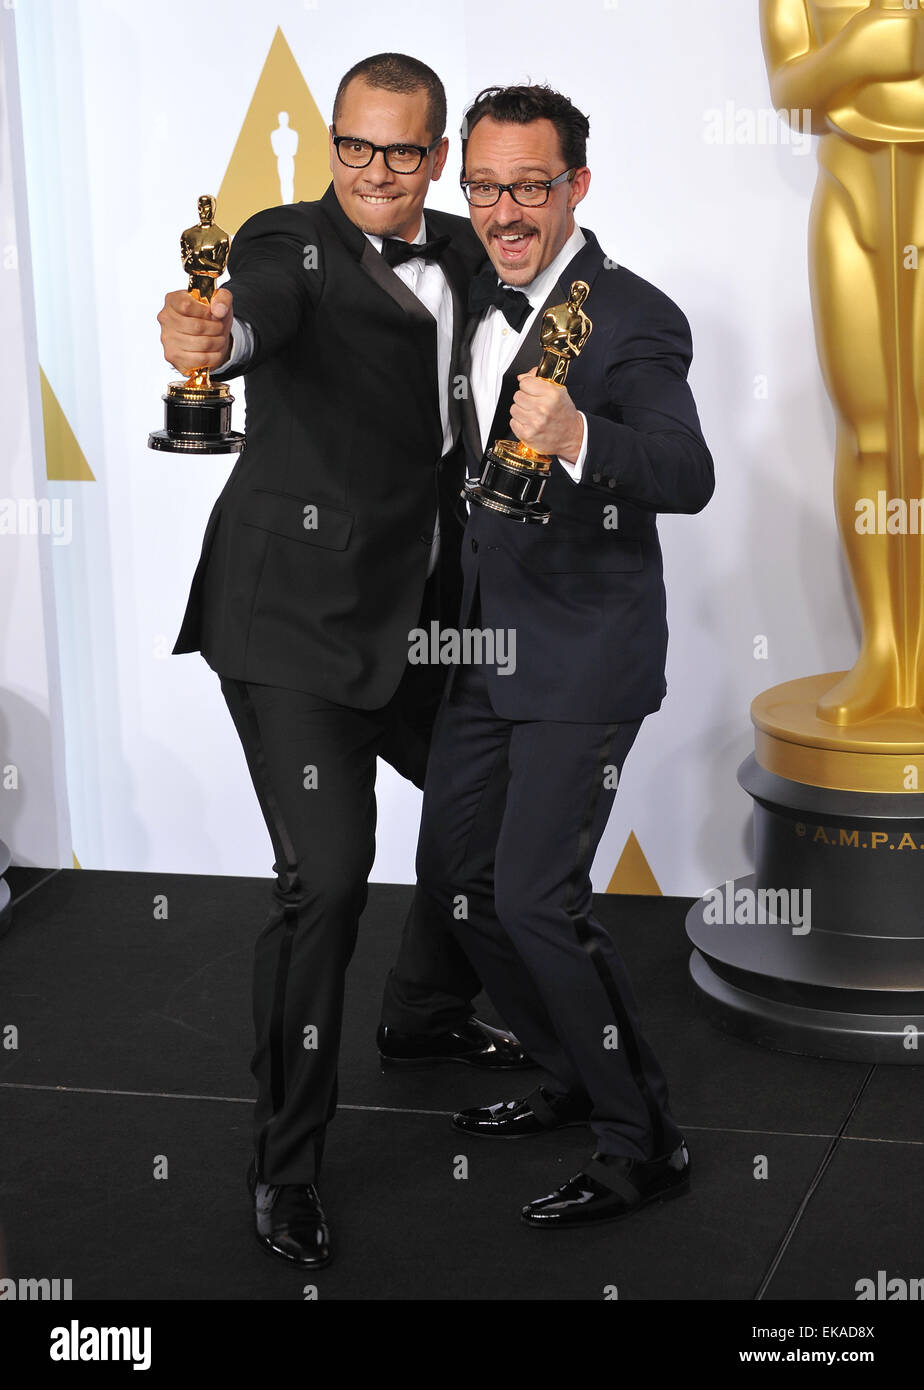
400, 159
529, 193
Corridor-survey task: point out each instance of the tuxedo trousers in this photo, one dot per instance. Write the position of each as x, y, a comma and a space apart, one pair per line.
313, 765
513, 813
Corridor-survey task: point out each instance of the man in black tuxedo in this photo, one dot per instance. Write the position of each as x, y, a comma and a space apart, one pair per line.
335, 535
524, 763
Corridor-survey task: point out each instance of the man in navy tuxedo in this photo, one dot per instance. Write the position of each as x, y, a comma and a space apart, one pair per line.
526, 757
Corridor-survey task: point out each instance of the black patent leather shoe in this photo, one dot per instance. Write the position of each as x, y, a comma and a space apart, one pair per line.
611, 1190
518, 1119
473, 1043
290, 1221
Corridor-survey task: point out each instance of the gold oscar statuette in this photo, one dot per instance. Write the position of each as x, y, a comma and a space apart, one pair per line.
197, 411
514, 474
834, 775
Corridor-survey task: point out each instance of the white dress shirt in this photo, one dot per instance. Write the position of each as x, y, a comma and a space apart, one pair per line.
425, 279
495, 345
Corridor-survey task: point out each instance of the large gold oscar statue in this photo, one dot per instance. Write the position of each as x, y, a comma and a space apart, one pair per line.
834, 775
857, 68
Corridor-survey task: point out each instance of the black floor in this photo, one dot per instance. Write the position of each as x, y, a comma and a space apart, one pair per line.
133, 1049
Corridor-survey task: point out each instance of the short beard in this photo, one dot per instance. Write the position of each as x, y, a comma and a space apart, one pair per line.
390, 230
383, 232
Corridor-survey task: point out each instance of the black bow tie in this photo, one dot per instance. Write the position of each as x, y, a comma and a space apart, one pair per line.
485, 291
396, 251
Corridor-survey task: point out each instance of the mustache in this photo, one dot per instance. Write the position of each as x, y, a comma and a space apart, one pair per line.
514, 230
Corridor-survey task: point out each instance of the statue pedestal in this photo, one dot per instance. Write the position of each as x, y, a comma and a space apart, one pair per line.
831, 821
6, 914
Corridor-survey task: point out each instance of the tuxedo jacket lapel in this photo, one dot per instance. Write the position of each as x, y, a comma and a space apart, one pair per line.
528, 354
457, 277
378, 269
471, 435
381, 273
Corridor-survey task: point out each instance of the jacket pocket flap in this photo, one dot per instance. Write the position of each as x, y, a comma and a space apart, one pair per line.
298, 518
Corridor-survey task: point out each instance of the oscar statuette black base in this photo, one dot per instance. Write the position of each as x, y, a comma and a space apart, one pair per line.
511, 485
6, 912
840, 972
197, 420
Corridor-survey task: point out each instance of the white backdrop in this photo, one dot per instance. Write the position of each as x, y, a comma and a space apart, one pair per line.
33, 791
129, 111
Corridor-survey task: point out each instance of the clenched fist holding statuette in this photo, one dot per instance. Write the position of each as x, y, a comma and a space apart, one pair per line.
514, 474
197, 411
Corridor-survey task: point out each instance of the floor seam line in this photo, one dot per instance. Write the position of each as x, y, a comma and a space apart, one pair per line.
21, 897
814, 1183
839, 1136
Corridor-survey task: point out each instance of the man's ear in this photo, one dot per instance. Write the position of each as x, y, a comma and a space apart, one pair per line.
331, 152
578, 187
439, 157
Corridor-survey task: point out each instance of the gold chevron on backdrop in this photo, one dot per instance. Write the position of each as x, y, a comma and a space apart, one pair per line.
77, 864
64, 458
633, 873
251, 180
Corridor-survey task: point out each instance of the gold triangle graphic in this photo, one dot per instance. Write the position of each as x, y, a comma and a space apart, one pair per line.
64, 458
633, 873
77, 865
252, 178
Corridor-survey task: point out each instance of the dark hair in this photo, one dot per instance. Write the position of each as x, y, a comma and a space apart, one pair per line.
520, 105
396, 72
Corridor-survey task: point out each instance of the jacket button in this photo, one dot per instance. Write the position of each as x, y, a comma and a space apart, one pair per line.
611, 482
475, 547
595, 477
